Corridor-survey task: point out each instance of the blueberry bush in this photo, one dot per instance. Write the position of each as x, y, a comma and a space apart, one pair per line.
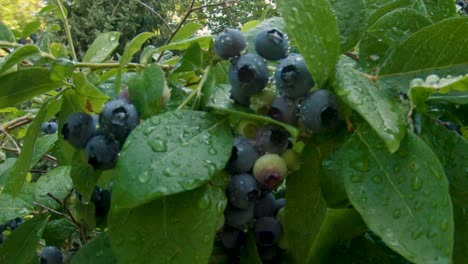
333, 133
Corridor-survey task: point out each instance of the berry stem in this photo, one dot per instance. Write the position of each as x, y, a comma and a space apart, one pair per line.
197, 91
67, 30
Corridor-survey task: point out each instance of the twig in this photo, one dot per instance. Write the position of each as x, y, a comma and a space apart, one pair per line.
10, 125
157, 14
106, 65
18, 149
67, 30
213, 5
353, 56
46, 156
51, 210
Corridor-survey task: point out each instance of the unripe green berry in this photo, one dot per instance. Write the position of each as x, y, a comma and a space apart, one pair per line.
270, 171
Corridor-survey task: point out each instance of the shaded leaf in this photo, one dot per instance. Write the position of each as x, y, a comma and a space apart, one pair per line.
90, 95
13, 207
83, 175
56, 182
41, 147
18, 55
58, 231
203, 41
6, 34
97, 251
351, 17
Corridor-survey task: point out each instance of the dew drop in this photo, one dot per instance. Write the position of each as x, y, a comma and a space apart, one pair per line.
396, 213
357, 178
158, 145
360, 165
213, 151
416, 183
377, 179
148, 130
143, 177
155, 121
417, 233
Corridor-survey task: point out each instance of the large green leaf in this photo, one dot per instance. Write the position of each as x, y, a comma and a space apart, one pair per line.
13, 207
452, 150
178, 228
5, 33
24, 84
146, 90
134, 46
388, 32
17, 56
21, 245
168, 154
402, 197
313, 26
56, 182
445, 42
351, 16
96, 251
305, 208
41, 147
360, 93
102, 47
5, 169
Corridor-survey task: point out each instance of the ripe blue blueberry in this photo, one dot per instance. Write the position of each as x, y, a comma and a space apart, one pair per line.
22, 41
102, 152
239, 97
284, 110
272, 139
243, 156
265, 206
78, 129
319, 111
292, 77
51, 255
229, 43
49, 127
272, 44
243, 190
118, 118
236, 217
267, 231
248, 74
34, 37
231, 237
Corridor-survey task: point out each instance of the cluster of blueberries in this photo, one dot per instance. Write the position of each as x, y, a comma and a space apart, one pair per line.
31, 40
258, 167
317, 111
101, 135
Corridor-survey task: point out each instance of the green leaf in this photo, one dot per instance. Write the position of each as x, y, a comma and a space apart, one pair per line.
216, 76
18, 173
446, 49
305, 208
194, 59
168, 154
97, 251
84, 175
338, 229
402, 197
146, 90
313, 26
6, 34
58, 231
93, 98
13, 207
251, 34
203, 41
31, 28
56, 182
21, 245
102, 47
438, 10
186, 31
452, 150
385, 115
147, 54
249, 25
419, 94
41, 147
249, 252
387, 32
351, 16
178, 228
133, 47
17, 56
5, 169
22, 85
61, 69
221, 102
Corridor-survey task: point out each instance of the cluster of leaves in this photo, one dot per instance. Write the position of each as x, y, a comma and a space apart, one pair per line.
392, 167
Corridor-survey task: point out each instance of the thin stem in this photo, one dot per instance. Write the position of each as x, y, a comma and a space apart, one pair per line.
46, 156
51, 210
12, 140
106, 65
197, 91
212, 5
10, 125
67, 30
157, 14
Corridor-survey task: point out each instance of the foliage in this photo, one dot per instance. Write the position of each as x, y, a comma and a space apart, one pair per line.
387, 185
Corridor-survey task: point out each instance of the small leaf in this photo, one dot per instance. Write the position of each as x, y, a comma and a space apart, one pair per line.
146, 90
31, 28
22, 85
398, 194
56, 182
385, 116
313, 25
102, 47
203, 41
448, 48
147, 54
186, 31
96, 251
194, 59
249, 25
17, 56
178, 228
6, 34
13, 207
41, 147
84, 175
134, 46
21, 245
93, 98
58, 231
351, 17
168, 154
249, 252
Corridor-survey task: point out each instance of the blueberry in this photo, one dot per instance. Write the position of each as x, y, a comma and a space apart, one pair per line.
292, 77
238, 218
319, 111
279, 204
124, 94
242, 191
49, 127
272, 139
15, 223
229, 43
284, 110
51, 255
95, 196
248, 75
78, 129
102, 152
34, 37
265, 206
267, 231
22, 41
118, 118
231, 237
270, 171
239, 97
268, 254
243, 156
2, 238
102, 206
272, 44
